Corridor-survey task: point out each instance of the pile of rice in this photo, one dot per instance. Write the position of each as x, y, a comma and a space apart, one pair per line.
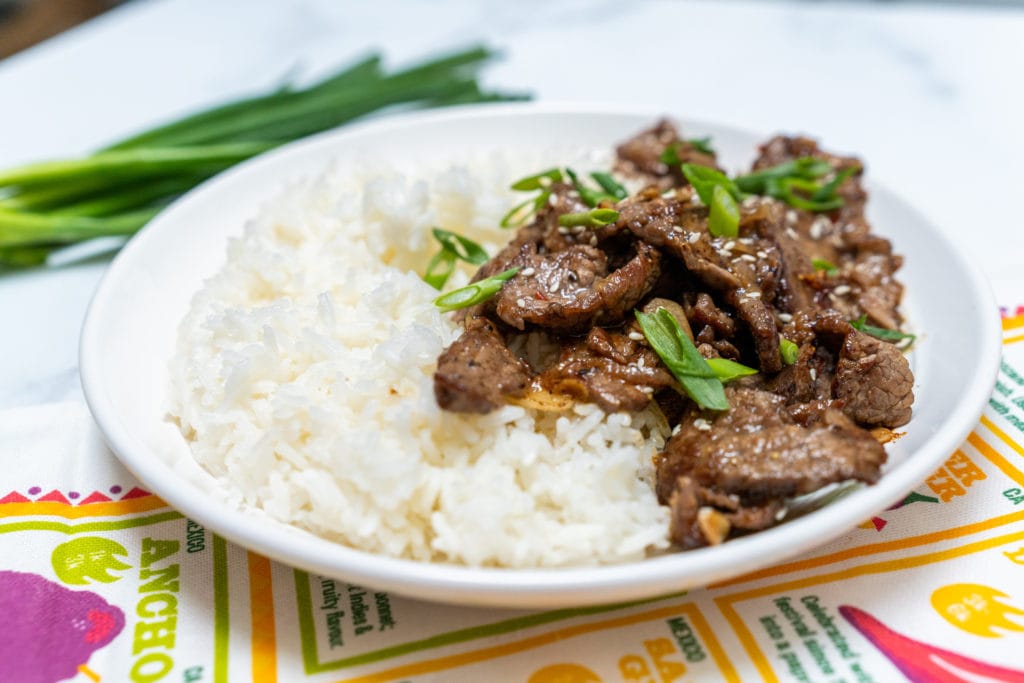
303, 380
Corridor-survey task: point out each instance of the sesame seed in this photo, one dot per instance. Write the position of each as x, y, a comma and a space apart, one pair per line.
780, 514
693, 237
842, 289
552, 200
527, 272
785, 317
729, 245
750, 202
562, 230
521, 303
754, 295
791, 233
640, 362
593, 240
814, 374
676, 228
636, 336
553, 288
694, 198
792, 216
748, 257
647, 390
762, 254
577, 229
746, 240
702, 424
818, 227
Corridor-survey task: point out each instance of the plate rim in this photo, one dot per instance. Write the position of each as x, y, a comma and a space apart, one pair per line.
527, 587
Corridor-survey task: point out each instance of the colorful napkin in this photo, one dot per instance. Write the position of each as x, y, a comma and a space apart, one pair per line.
101, 581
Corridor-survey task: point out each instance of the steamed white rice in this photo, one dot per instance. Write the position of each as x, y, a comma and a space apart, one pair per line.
303, 381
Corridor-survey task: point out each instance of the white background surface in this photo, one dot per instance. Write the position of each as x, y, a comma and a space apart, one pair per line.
929, 96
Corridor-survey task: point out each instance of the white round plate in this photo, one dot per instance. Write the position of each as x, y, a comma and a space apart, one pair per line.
130, 333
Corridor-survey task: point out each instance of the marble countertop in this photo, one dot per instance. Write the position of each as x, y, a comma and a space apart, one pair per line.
930, 96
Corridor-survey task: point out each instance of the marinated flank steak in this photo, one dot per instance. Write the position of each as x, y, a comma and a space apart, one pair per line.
758, 312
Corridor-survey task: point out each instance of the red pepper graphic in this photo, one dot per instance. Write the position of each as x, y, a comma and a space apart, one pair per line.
920, 662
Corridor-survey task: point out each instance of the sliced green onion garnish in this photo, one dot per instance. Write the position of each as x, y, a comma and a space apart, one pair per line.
828, 190
702, 145
704, 180
538, 181
520, 213
789, 351
727, 370
610, 185
880, 332
440, 268
462, 247
595, 218
805, 168
474, 293
799, 175
589, 195
825, 265
724, 219
683, 359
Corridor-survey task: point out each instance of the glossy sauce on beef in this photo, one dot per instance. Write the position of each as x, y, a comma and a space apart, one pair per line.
790, 429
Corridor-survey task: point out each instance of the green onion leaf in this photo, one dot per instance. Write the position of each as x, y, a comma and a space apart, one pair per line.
804, 168
474, 293
670, 155
595, 218
518, 214
439, 269
828, 190
881, 332
799, 175
789, 351
470, 252
702, 145
704, 180
682, 359
610, 185
825, 265
590, 196
538, 181
727, 370
724, 219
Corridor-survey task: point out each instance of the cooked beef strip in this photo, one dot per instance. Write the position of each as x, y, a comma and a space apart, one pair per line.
760, 453
640, 156
571, 290
609, 369
874, 380
477, 372
690, 499
757, 450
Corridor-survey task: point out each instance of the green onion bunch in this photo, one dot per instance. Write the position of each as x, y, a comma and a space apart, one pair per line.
114, 192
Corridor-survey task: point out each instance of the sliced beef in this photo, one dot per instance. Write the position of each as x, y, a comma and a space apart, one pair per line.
571, 290
610, 369
477, 372
760, 452
703, 516
874, 381
640, 156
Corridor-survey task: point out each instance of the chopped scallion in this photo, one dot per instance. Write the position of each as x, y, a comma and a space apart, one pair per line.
610, 185
704, 180
724, 218
463, 247
681, 357
825, 265
727, 370
538, 181
595, 218
474, 293
789, 351
881, 332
